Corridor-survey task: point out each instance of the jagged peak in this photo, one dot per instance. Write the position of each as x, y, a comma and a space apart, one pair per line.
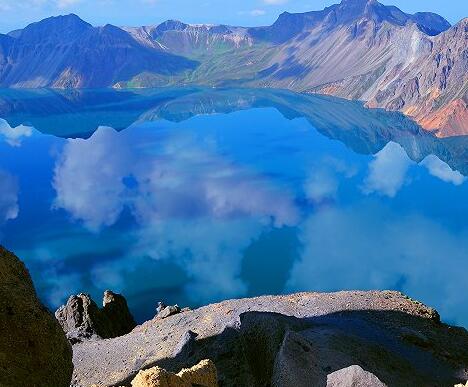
361, 3
463, 22
359, 6
69, 18
60, 22
55, 27
346, 13
172, 24
459, 29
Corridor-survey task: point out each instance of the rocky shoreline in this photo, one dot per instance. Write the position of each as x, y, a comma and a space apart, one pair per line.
308, 339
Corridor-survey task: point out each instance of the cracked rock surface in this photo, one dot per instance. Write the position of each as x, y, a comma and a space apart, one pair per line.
294, 340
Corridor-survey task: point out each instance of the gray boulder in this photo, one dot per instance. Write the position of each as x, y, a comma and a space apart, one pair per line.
353, 376
82, 319
168, 311
33, 348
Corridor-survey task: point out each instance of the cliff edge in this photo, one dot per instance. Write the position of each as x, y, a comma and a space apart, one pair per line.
306, 339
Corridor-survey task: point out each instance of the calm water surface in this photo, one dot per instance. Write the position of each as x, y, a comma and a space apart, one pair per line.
194, 196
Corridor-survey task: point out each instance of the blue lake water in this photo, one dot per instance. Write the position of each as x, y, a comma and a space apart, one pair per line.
193, 196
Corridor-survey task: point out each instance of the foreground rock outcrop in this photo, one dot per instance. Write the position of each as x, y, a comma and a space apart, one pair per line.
308, 339
201, 375
33, 348
82, 319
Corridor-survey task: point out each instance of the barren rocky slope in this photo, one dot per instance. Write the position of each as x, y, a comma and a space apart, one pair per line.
296, 340
66, 52
434, 88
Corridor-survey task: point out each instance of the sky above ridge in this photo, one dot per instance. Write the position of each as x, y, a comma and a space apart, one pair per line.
18, 13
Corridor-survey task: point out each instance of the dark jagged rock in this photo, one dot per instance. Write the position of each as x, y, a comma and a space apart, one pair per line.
82, 319
116, 309
33, 347
296, 340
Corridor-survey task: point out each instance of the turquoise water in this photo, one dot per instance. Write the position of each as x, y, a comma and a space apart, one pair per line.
193, 196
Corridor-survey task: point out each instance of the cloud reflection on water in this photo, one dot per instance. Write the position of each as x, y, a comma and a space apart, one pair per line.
370, 247
199, 210
193, 206
14, 136
443, 171
9, 208
387, 172
160, 178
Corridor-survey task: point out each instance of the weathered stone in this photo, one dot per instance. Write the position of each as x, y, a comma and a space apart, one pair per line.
158, 377
308, 356
82, 319
353, 376
168, 311
79, 318
161, 306
202, 375
185, 348
295, 364
307, 336
33, 347
116, 309
262, 335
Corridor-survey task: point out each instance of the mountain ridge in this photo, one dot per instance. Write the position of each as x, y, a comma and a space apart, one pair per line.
358, 49
351, 10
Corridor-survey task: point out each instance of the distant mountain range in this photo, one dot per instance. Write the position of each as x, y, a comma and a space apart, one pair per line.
358, 49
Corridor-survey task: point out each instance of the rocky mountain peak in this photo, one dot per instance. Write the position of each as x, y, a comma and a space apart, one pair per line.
349, 10
361, 4
65, 27
463, 23
171, 25
346, 13
62, 22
